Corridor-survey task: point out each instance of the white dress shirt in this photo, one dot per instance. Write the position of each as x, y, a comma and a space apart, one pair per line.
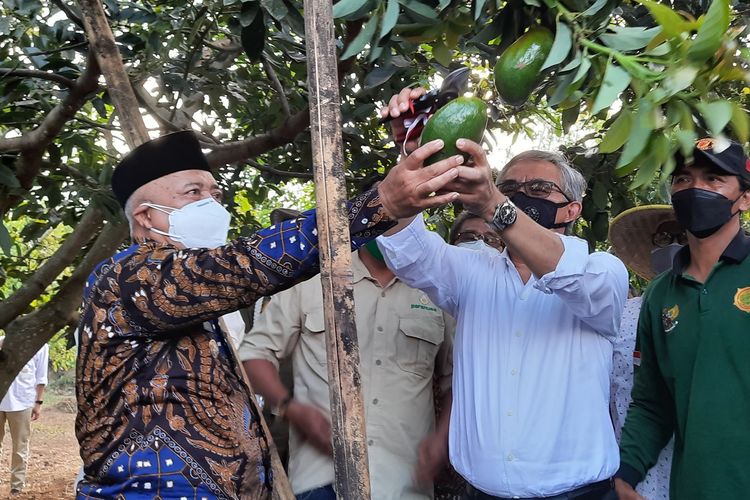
21, 394
530, 412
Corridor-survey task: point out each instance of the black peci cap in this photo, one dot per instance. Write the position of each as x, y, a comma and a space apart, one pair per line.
154, 159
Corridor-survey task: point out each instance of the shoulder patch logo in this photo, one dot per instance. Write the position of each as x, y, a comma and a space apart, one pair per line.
742, 299
669, 318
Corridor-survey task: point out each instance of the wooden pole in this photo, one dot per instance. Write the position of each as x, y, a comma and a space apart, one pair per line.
102, 42
347, 409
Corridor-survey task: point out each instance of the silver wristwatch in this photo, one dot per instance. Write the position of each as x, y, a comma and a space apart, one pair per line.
505, 215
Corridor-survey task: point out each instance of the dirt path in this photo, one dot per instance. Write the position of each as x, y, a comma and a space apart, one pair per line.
54, 460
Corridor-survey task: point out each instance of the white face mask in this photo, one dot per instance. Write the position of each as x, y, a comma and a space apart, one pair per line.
201, 224
479, 246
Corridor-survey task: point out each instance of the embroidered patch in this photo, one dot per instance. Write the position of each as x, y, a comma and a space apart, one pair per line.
424, 300
669, 318
742, 299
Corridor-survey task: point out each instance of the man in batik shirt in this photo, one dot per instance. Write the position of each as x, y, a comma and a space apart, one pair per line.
162, 408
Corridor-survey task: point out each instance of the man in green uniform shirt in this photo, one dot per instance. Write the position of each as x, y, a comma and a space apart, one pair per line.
694, 340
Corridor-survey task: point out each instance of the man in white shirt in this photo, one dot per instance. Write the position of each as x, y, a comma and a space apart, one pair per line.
533, 347
21, 405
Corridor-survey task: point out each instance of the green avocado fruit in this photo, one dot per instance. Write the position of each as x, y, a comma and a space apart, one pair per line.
462, 118
517, 71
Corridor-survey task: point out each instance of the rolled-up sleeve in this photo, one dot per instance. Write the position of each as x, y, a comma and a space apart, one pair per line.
594, 286
42, 363
276, 331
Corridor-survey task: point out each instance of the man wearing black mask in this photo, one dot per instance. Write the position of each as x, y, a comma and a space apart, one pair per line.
694, 376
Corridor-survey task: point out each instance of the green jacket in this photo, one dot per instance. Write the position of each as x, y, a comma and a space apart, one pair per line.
694, 380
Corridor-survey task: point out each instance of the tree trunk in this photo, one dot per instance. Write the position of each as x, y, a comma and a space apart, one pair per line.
25, 335
33, 287
347, 408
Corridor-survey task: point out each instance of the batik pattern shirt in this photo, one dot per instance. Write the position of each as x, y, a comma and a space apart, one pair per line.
163, 411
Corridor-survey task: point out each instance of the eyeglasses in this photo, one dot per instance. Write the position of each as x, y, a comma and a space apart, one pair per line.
665, 238
536, 188
492, 240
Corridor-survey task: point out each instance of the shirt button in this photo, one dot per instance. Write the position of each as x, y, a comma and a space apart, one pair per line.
382, 294
380, 328
370, 442
509, 458
513, 371
510, 413
378, 362
705, 292
375, 401
518, 334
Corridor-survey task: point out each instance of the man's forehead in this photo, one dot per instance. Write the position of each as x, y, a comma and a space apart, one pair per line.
178, 180
532, 169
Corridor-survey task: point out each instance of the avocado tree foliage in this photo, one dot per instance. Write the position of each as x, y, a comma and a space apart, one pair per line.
646, 77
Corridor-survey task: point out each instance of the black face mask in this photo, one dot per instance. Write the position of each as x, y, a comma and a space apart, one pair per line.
541, 211
702, 212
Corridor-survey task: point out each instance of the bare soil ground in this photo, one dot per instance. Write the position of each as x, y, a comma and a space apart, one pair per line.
54, 459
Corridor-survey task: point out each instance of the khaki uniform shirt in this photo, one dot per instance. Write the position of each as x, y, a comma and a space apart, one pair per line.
403, 340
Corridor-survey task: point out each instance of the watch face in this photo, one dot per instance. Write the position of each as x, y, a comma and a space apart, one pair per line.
507, 214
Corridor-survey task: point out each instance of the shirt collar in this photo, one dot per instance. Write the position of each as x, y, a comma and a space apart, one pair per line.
735, 252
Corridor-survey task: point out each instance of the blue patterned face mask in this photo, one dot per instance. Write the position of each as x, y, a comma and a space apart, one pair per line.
201, 224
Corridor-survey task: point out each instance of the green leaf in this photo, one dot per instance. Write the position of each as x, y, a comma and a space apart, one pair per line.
419, 9
658, 152
574, 63
715, 25
254, 38
740, 123
247, 13
644, 124
600, 196
618, 132
615, 81
442, 54
686, 140
595, 7
5, 240
8, 178
275, 8
628, 38
569, 117
673, 25
379, 76
363, 38
478, 8
347, 7
679, 79
560, 47
716, 115
563, 89
390, 18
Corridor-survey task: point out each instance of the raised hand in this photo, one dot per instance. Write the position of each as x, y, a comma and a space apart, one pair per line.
410, 187
397, 106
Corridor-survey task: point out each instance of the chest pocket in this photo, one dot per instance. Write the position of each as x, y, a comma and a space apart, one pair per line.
314, 330
417, 344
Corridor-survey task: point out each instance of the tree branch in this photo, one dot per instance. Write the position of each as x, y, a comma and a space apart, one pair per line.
41, 136
280, 173
35, 73
277, 85
17, 303
27, 334
33, 144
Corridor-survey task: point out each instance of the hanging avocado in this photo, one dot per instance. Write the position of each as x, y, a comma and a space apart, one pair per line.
462, 118
517, 71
